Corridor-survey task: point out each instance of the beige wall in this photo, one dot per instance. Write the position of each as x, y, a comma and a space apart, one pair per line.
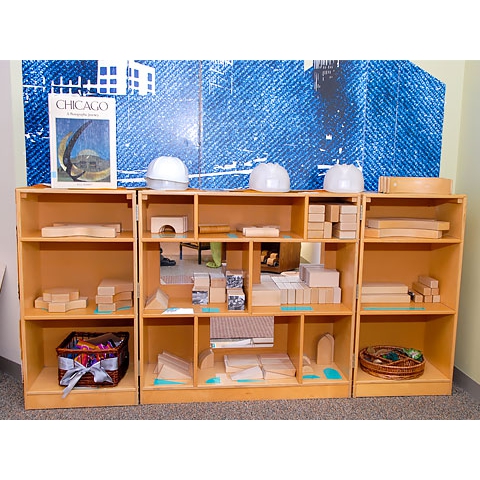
461, 142
467, 357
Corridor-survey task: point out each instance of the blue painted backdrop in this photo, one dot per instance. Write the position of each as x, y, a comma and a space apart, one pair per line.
224, 117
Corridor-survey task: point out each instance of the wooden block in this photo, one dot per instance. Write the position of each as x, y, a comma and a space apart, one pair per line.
384, 287
307, 293
344, 234
332, 212
260, 231
217, 295
235, 299
436, 299
386, 298
396, 222
206, 359
252, 373
428, 281
291, 296
113, 307
61, 294
113, 298
348, 218
315, 234
346, 226
112, 286
218, 280
264, 295
161, 224
316, 217
40, 303
401, 232
215, 228
99, 231
421, 288
306, 364
61, 307
329, 294
315, 225
117, 226
422, 185
157, 301
237, 362
314, 295
299, 293
322, 294
201, 280
316, 208
327, 230
277, 367
435, 291
172, 367
415, 296
318, 276
337, 295
428, 298
325, 349
348, 208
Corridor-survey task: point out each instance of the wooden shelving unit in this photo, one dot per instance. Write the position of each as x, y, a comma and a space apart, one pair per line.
296, 328
79, 262
429, 327
135, 253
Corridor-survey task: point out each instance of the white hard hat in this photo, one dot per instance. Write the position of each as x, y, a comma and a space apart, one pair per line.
344, 179
269, 177
167, 173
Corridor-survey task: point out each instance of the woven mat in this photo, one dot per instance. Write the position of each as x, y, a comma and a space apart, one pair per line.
241, 327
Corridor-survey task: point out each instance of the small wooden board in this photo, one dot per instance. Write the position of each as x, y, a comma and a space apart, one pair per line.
386, 298
400, 222
423, 185
100, 231
384, 287
402, 232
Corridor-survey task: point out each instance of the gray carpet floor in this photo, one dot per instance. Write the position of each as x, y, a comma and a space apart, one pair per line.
458, 406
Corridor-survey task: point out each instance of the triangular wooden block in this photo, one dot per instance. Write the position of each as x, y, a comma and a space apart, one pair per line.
157, 301
252, 373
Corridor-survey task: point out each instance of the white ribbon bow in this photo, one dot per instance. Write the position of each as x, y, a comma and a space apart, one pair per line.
75, 371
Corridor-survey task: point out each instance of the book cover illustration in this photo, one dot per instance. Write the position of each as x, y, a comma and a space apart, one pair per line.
82, 141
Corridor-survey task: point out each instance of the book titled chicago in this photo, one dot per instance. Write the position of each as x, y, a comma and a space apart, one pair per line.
82, 141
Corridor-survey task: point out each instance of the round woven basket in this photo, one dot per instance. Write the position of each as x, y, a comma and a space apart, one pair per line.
405, 368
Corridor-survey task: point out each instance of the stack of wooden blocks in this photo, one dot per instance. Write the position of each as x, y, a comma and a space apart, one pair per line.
425, 289
314, 284
60, 300
385, 292
218, 288
338, 220
114, 294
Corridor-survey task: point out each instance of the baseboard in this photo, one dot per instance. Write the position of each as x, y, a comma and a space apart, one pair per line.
466, 383
459, 378
11, 368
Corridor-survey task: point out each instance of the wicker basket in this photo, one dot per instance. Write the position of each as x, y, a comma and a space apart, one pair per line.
67, 350
405, 368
